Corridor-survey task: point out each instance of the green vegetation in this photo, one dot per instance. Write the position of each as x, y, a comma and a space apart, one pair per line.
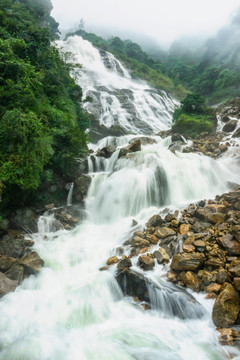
137, 61
42, 122
193, 117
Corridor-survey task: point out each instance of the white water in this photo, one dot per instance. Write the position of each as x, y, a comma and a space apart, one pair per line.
72, 311
117, 98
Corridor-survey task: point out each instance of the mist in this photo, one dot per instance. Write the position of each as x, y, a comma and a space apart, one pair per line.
158, 21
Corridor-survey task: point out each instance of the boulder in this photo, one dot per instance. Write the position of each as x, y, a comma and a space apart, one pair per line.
187, 261
106, 151
146, 262
12, 248
155, 221
112, 260
161, 255
232, 246
81, 187
16, 272
191, 281
230, 126
226, 307
135, 146
164, 232
6, 285
6, 262
32, 262
124, 263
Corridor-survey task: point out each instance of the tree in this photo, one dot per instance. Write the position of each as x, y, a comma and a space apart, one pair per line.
81, 25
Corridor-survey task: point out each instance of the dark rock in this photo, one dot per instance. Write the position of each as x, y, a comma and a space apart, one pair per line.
12, 248
146, 262
161, 255
187, 261
135, 146
6, 285
232, 246
16, 272
6, 262
155, 221
81, 187
145, 140
230, 126
106, 151
236, 133
164, 232
124, 263
226, 307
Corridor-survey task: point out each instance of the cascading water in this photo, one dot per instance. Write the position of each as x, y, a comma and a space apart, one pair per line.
116, 98
73, 311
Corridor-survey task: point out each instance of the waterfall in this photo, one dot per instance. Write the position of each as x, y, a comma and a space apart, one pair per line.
73, 311
70, 194
117, 99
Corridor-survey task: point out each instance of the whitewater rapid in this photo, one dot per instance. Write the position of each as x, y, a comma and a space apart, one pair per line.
73, 311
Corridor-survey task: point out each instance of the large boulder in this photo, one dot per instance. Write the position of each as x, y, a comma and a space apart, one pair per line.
6, 285
230, 126
187, 261
16, 272
32, 262
12, 247
81, 187
226, 307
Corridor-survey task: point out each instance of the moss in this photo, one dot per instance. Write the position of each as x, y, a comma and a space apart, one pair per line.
192, 125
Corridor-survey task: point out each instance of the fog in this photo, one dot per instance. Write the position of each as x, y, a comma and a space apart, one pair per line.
163, 20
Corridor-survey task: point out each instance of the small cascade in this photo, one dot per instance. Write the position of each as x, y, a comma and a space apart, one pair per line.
47, 224
70, 194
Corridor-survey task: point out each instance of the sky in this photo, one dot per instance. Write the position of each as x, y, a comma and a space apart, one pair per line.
164, 20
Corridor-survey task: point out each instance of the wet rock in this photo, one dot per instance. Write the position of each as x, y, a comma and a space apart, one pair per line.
137, 241
228, 336
226, 307
124, 263
232, 246
185, 261
31, 262
16, 272
191, 281
12, 248
164, 232
214, 263
112, 260
152, 239
146, 262
161, 255
24, 219
155, 221
81, 187
135, 146
230, 126
222, 276
6, 262
6, 285
145, 140
184, 229
199, 245
188, 248
106, 151
236, 133
236, 283
213, 287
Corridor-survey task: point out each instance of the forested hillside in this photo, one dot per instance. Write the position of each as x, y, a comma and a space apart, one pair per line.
42, 122
211, 68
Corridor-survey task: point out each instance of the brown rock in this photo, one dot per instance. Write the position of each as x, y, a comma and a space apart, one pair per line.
191, 281
188, 248
155, 221
146, 262
226, 307
164, 232
124, 263
184, 229
172, 277
16, 272
161, 255
236, 283
137, 241
228, 336
184, 261
152, 239
6, 262
213, 287
232, 246
112, 260
6, 285
214, 262
222, 276
32, 262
